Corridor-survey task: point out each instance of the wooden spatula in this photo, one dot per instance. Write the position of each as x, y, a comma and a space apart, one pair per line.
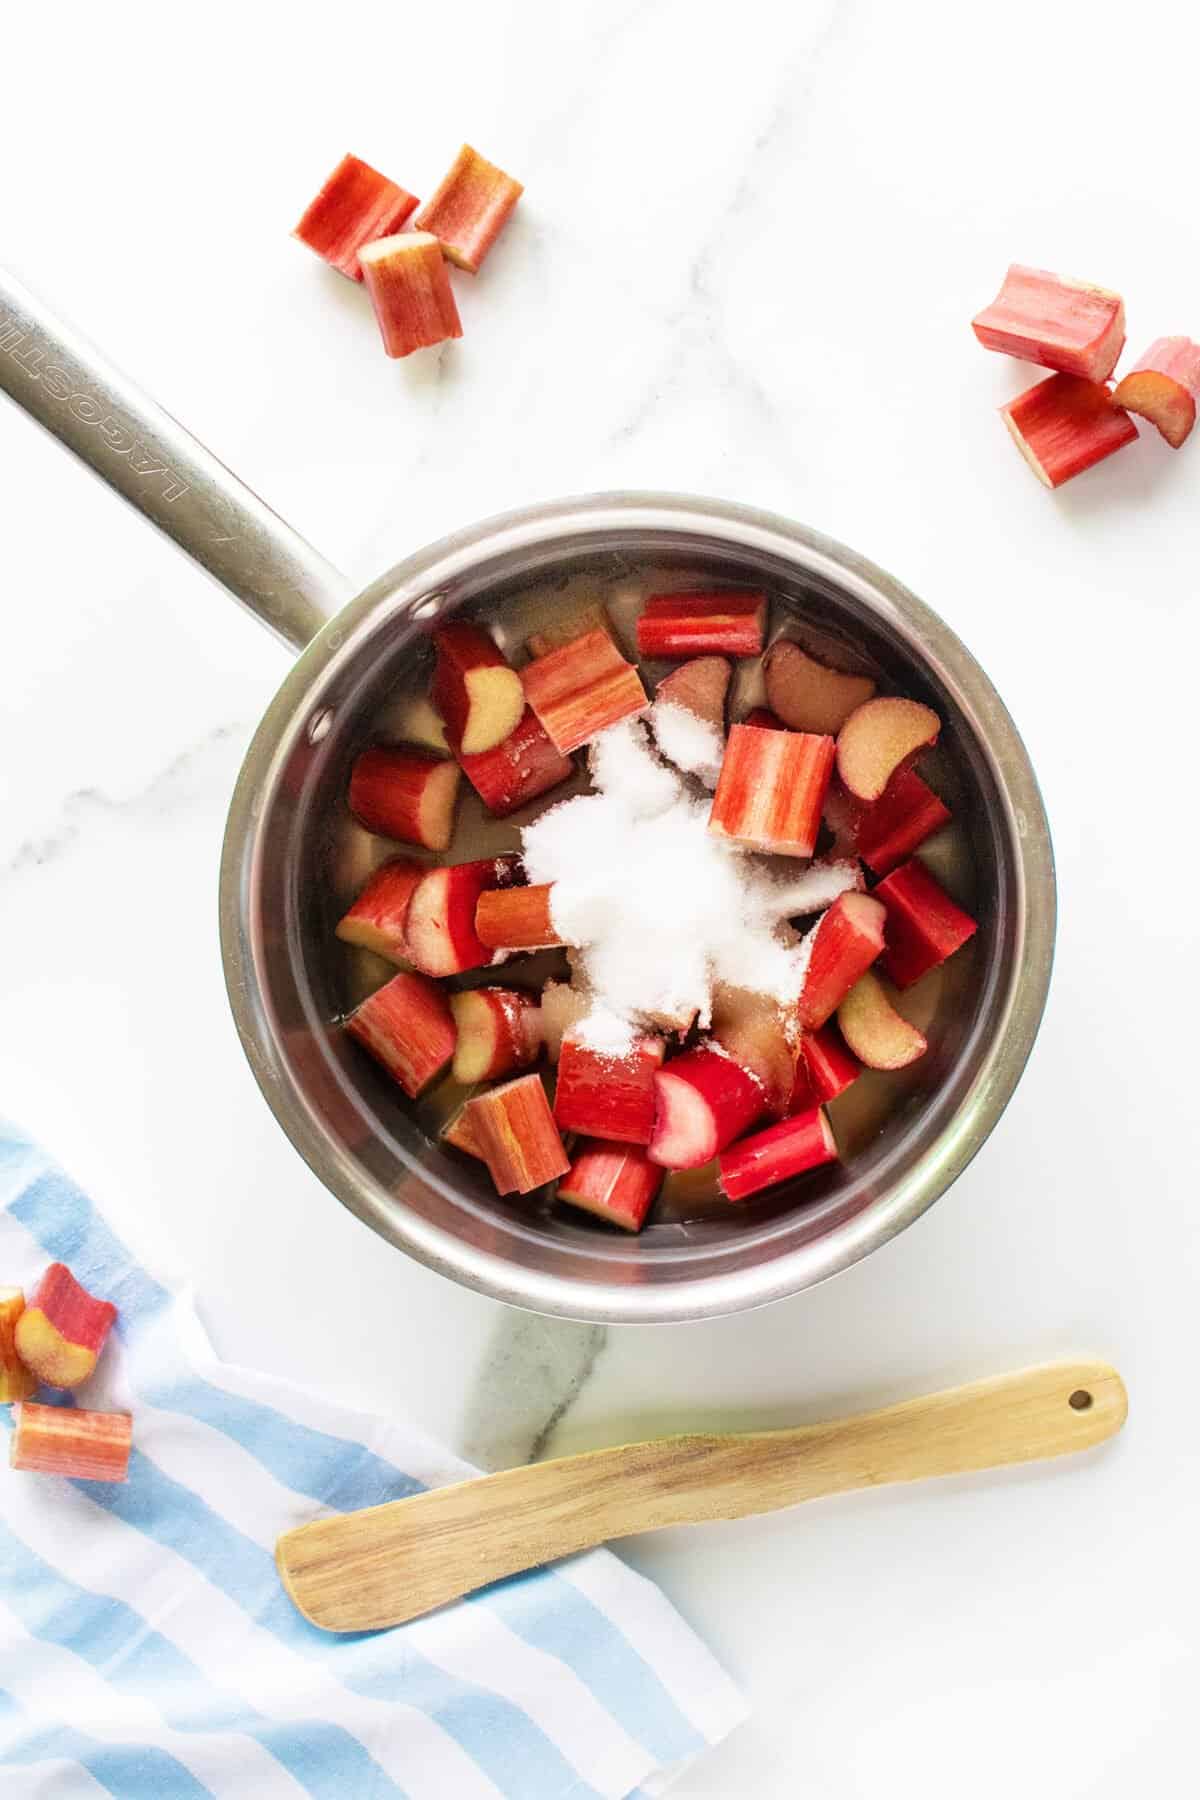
359, 1571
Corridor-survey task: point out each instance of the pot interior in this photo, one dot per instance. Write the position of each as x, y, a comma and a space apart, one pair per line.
903, 1137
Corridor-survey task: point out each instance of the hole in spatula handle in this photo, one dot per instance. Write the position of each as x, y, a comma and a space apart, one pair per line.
1081, 1399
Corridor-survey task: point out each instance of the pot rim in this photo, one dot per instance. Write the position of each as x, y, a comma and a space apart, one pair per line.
405, 590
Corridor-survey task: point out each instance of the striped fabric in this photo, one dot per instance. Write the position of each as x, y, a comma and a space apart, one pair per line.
148, 1651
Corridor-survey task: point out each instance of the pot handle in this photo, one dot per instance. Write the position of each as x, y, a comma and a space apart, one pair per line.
148, 457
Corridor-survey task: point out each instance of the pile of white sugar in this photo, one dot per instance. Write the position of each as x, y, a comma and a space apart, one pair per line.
659, 910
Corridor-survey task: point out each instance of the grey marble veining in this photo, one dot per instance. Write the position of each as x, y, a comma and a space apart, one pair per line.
532, 1372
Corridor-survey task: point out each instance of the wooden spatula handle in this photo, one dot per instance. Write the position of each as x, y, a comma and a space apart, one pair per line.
378, 1567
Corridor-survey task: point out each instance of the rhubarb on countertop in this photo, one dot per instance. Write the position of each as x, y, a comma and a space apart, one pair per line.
355, 206
410, 291
1163, 386
1051, 319
468, 208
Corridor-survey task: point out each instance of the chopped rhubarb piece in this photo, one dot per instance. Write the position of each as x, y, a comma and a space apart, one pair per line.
405, 794
879, 738
499, 1031
516, 919
410, 291
478, 695
355, 206
845, 943
616, 1182
525, 765
578, 691
806, 695
828, 1065
770, 791
906, 813
460, 1132
725, 622
378, 917
703, 1100
16, 1381
62, 1330
876, 1033
605, 1095
792, 1147
1052, 320
764, 719
923, 927
408, 1027
752, 1029
565, 627
69, 1440
1163, 386
468, 208
440, 936
1064, 425
562, 1007
700, 687
518, 1136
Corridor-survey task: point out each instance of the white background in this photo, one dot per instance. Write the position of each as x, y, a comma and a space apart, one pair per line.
751, 245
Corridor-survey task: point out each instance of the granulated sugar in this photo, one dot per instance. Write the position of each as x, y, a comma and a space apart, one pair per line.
660, 910
692, 744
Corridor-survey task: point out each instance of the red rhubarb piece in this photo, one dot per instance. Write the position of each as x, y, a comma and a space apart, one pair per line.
355, 206
440, 935
516, 919
410, 291
62, 1330
828, 1066
1052, 320
71, 1441
923, 927
806, 695
703, 1100
1163, 386
499, 1031
607, 1096
525, 765
792, 1147
725, 622
517, 1134
562, 1007
764, 719
876, 1033
845, 942
752, 1029
468, 208
16, 1381
700, 687
407, 1026
479, 697
404, 794
770, 790
616, 1182
879, 738
906, 813
378, 917
578, 691
1064, 425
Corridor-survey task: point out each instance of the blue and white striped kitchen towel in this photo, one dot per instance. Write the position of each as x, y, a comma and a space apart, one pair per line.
148, 1651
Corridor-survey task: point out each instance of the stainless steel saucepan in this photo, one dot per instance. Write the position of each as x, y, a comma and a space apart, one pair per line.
286, 973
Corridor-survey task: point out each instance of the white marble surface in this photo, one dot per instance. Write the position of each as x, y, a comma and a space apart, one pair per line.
747, 259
